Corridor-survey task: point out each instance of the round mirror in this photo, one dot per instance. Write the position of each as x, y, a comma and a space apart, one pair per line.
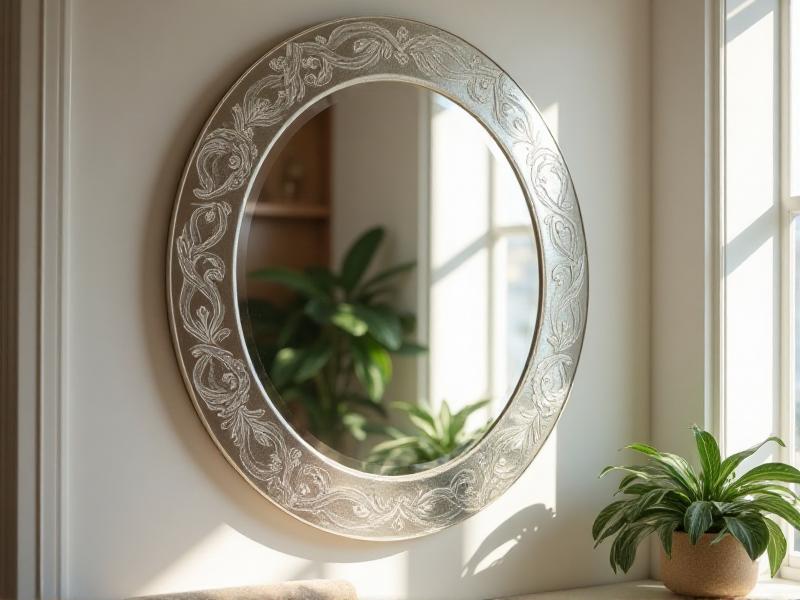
388, 278
377, 278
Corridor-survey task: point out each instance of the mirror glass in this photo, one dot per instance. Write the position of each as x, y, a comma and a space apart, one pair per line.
388, 278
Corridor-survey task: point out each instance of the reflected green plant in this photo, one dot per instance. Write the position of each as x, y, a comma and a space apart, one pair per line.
329, 352
431, 436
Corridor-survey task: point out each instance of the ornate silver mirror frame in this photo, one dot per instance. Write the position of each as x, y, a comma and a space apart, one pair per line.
202, 296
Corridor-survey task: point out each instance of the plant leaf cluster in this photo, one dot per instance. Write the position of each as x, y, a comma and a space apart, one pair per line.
432, 435
329, 352
667, 494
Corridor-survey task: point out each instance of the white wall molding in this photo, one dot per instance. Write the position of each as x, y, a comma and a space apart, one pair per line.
714, 217
45, 64
683, 201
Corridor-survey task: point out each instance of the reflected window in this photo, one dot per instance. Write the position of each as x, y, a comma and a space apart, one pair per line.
484, 270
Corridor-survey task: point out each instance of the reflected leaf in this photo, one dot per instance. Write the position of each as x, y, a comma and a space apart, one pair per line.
387, 274
382, 323
299, 282
359, 256
345, 317
411, 348
372, 365
312, 361
355, 424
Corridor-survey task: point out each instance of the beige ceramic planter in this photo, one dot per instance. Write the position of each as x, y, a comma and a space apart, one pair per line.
704, 571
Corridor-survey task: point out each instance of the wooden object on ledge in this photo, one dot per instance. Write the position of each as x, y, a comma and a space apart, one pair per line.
293, 590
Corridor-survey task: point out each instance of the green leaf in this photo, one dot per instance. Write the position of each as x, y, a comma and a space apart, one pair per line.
355, 424
322, 278
766, 488
729, 465
403, 442
645, 449
460, 418
372, 365
710, 458
774, 505
768, 472
444, 423
382, 323
411, 348
605, 516
387, 274
294, 280
320, 309
418, 411
665, 531
312, 361
674, 466
699, 517
776, 547
408, 321
751, 531
425, 427
357, 259
722, 533
638, 489
616, 526
647, 500
634, 470
623, 550
344, 317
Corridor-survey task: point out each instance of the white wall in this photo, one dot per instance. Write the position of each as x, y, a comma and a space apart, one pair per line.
680, 223
378, 178
151, 505
682, 255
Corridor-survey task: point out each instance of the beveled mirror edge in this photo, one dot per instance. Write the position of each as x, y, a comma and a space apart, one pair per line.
281, 467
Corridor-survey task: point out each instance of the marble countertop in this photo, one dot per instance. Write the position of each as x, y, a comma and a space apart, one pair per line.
776, 589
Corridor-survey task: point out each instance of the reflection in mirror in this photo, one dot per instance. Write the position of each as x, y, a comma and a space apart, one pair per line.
390, 281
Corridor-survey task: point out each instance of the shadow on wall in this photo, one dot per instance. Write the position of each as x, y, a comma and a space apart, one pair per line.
514, 542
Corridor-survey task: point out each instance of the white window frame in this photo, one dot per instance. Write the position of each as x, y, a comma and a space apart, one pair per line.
790, 209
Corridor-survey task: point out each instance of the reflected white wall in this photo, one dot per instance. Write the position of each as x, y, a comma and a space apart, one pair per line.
375, 175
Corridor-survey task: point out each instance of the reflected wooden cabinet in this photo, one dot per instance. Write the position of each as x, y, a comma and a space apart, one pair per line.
291, 224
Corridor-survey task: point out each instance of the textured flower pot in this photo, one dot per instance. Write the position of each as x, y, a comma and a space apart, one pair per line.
704, 571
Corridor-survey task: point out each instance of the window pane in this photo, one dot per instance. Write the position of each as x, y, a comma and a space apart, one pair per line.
522, 294
510, 205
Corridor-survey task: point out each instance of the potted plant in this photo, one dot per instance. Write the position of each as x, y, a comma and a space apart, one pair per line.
712, 524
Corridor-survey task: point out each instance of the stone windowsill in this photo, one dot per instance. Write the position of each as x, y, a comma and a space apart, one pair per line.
776, 589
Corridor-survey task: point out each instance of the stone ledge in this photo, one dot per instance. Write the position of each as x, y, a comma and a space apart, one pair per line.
775, 589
